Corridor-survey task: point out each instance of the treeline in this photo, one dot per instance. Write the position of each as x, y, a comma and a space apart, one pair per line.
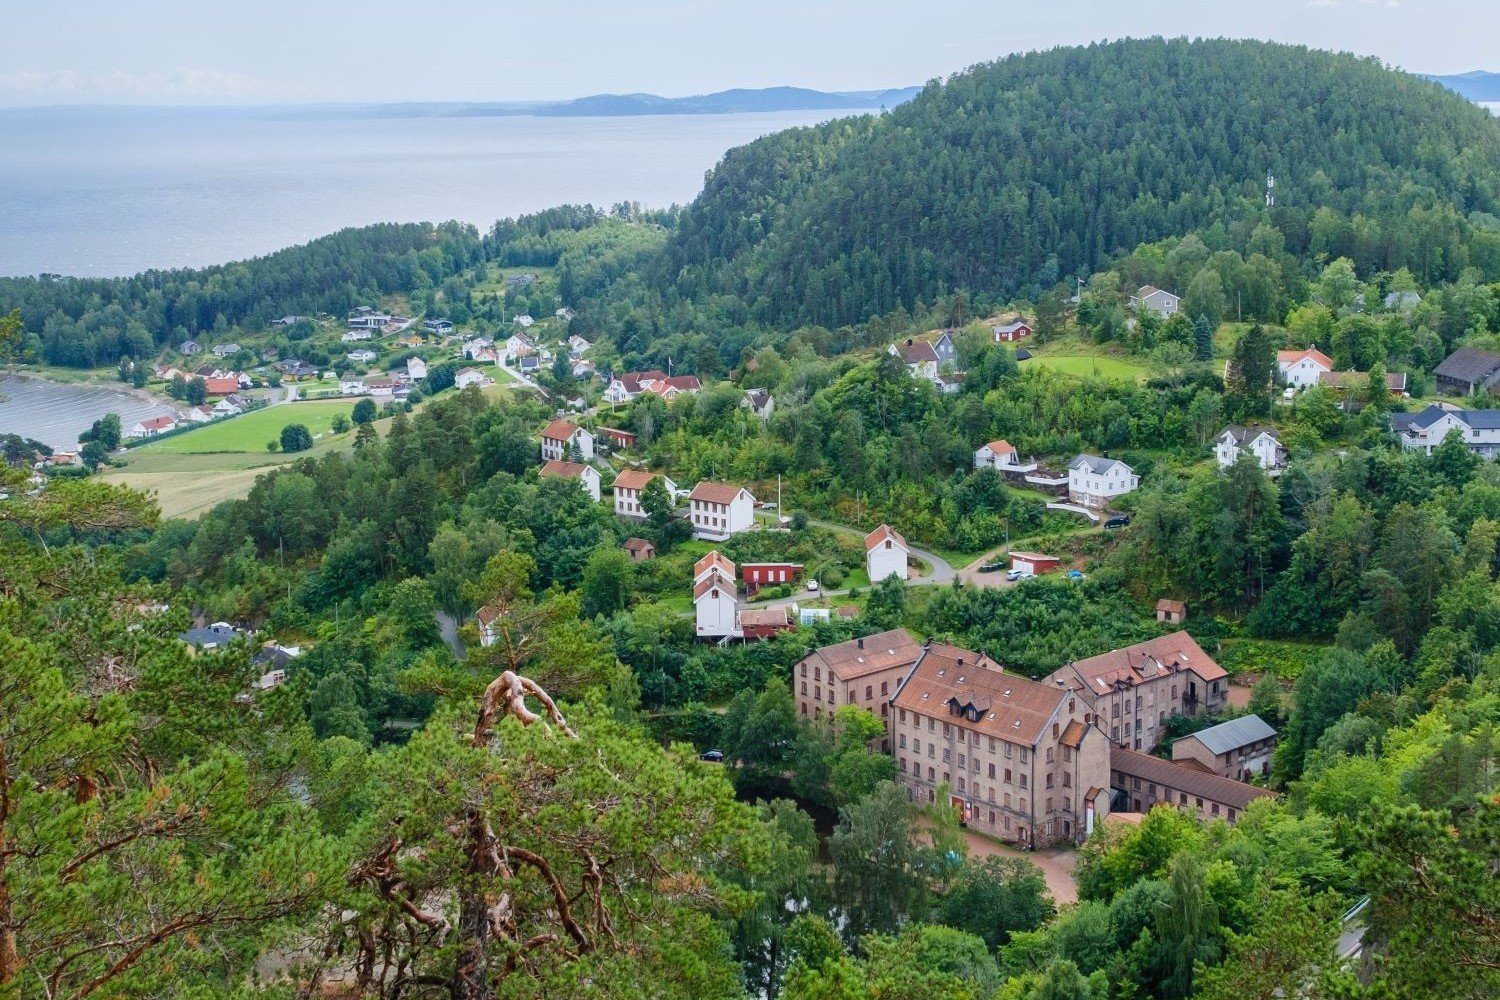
87, 322
1012, 175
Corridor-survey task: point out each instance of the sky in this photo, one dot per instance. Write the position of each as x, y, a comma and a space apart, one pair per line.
275, 51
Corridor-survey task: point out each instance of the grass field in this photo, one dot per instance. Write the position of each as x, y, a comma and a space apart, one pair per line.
1083, 365
251, 432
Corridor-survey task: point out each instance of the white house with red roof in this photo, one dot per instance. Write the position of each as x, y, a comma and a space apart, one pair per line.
627, 386
886, 554
1301, 369
558, 439
467, 377
719, 510
152, 427
627, 489
999, 455
714, 602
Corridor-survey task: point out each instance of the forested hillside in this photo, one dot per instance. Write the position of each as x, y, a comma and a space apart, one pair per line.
1042, 166
96, 321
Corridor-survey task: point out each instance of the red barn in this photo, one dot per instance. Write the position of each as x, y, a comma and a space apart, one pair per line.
763, 623
1012, 331
1033, 563
617, 438
758, 575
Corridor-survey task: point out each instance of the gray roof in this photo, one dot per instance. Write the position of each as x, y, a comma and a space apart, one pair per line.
215, 635
1397, 300
1244, 435
1098, 466
1011, 327
1468, 364
1484, 420
1232, 735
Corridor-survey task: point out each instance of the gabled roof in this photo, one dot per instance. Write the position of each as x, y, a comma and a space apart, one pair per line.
716, 492
1167, 604
1468, 364
1001, 447
1144, 661
1191, 780
1011, 327
1394, 381
1245, 435
758, 397
880, 534
559, 430
638, 545
870, 654
1484, 420
633, 479
715, 560
916, 351
1098, 466
1072, 735
1232, 735
711, 580
778, 617
1146, 291
1289, 358
563, 470
1009, 706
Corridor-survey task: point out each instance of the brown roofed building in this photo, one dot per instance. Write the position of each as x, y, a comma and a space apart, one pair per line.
1135, 690
1022, 759
1171, 612
639, 549
559, 438
719, 510
763, 623
1141, 781
863, 672
627, 489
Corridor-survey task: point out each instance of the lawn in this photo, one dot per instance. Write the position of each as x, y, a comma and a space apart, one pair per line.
251, 432
1085, 365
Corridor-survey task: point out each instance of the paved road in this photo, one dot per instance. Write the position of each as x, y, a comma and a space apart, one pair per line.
448, 628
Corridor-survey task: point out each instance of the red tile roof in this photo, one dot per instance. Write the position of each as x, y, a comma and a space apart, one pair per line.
712, 580
1292, 357
1001, 447
559, 430
868, 655
1141, 662
1012, 708
880, 534
715, 492
1168, 774
633, 479
563, 470
714, 560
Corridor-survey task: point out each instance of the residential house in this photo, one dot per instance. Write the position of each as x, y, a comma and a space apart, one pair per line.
949, 383
623, 440
287, 321
920, 357
999, 455
229, 406
530, 365
865, 672
226, 350
719, 510
520, 280
474, 345
352, 387
582, 368
1094, 481
151, 427
1303, 369
1359, 382
488, 618
518, 344
416, 369
1033, 563
523, 320
1161, 302
675, 385
1023, 761
561, 436
189, 348
586, 475
762, 623
1170, 612
759, 402
1140, 781
471, 376
295, 369
766, 574
1007, 332
1135, 690
366, 318
1240, 748
714, 602
639, 549
623, 388
946, 350
565, 314
355, 336
215, 636
576, 344
1424, 431
1256, 441
362, 356
199, 415
384, 387
437, 327
886, 554
220, 383
627, 488
1468, 371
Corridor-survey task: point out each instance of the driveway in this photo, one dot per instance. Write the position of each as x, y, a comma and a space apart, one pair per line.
1056, 863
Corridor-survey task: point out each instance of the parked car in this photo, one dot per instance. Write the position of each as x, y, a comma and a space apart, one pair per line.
1074, 574
1016, 574
712, 756
991, 567
1118, 521
812, 585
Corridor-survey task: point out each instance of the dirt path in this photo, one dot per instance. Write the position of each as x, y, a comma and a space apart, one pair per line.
1056, 863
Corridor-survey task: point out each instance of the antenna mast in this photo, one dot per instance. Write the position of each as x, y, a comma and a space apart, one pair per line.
1270, 189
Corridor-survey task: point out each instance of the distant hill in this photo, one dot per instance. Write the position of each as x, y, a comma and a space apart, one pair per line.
723, 102
1017, 174
1478, 85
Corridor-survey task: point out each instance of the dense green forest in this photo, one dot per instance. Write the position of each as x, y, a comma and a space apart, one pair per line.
1007, 177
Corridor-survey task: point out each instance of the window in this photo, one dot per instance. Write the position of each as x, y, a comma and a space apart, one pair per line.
916, 744
992, 772
1067, 779
804, 670
960, 782
992, 817
1067, 803
804, 687
903, 715
818, 693
869, 692
1231, 814
947, 755
947, 729
1049, 755
930, 721
1135, 784
960, 760
901, 742
1116, 712
1049, 779
817, 673
903, 765
883, 686
1049, 803
947, 777
932, 751
1023, 781
1007, 776
1151, 788
1114, 733
1024, 755
885, 709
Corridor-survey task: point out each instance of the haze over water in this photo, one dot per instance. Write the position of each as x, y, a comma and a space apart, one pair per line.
112, 191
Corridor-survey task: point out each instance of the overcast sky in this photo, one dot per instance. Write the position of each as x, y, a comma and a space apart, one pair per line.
197, 52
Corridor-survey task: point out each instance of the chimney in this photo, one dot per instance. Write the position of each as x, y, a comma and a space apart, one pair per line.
861, 642
1061, 682
960, 661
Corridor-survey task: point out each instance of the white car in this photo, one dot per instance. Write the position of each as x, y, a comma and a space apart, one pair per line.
812, 585
1016, 574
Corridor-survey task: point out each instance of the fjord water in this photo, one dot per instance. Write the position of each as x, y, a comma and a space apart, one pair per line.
55, 413
111, 191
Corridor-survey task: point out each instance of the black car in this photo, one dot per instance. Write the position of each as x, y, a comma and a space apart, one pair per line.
1117, 522
712, 756
992, 567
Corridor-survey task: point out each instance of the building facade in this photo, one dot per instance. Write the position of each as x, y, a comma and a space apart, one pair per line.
1139, 781
886, 554
719, 510
864, 672
1240, 748
627, 489
1093, 481
1260, 442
